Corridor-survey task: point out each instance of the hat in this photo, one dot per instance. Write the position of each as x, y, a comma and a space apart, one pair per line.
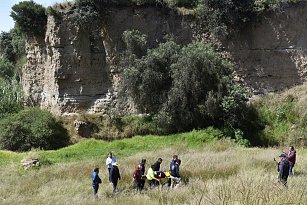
115, 164
282, 155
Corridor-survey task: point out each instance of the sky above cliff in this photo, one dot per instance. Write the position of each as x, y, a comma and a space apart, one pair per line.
6, 22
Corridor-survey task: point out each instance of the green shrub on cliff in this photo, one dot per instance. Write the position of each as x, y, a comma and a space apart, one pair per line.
30, 17
32, 128
184, 87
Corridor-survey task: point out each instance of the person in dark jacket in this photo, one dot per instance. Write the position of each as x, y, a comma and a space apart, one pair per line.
175, 158
95, 181
175, 175
157, 165
115, 176
137, 178
283, 169
291, 155
143, 169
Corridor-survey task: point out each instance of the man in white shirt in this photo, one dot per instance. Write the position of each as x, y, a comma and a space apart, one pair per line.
109, 161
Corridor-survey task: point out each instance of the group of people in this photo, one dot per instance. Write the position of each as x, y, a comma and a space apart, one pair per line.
154, 174
286, 164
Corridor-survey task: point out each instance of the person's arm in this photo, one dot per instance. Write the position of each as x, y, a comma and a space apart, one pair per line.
177, 171
291, 155
98, 179
118, 174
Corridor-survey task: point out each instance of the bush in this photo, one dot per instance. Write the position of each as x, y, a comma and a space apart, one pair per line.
32, 128
147, 80
7, 69
184, 87
30, 17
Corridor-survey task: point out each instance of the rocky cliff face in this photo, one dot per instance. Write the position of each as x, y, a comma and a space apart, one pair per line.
73, 68
272, 53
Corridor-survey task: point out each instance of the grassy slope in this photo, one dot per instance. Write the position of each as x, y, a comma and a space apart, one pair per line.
213, 172
285, 115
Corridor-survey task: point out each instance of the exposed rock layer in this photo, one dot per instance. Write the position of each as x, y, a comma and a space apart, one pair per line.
73, 69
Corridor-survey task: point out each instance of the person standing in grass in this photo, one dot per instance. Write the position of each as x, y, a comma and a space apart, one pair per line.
115, 176
137, 178
175, 175
109, 161
142, 167
283, 169
95, 181
175, 158
291, 156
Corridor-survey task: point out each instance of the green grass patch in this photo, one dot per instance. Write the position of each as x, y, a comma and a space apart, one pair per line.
96, 149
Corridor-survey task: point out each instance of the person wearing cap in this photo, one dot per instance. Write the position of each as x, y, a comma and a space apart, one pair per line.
283, 169
109, 161
95, 181
291, 155
115, 176
137, 178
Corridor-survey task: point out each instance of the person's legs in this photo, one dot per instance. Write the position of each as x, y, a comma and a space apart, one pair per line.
109, 169
139, 186
142, 184
291, 169
95, 187
114, 186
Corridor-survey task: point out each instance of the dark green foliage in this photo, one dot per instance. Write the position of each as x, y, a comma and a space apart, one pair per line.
202, 87
184, 87
148, 79
30, 17
12, 45
136, 42
6, 69
32, 128
52, 11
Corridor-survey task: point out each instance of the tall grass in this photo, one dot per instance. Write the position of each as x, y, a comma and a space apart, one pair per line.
217, 172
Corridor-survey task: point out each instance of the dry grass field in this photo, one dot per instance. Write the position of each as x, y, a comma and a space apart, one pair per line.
218, 172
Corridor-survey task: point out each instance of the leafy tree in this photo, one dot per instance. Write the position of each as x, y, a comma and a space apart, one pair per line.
30, 17
148, 79
6, 69
32, 128
200, 79
184, 87
12, 45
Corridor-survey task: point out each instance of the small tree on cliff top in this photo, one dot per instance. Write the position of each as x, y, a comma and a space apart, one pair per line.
30, 17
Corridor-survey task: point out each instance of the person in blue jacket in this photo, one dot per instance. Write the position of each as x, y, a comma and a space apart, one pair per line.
95, 181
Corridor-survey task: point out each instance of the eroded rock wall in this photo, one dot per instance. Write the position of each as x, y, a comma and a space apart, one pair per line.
73, 69
271, 52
